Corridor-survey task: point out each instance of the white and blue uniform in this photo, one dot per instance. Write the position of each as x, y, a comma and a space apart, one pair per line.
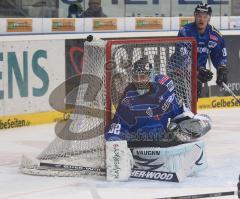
210, 43
144, 117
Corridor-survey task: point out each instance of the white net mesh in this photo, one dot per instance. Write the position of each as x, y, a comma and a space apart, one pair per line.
79, 148
173, 58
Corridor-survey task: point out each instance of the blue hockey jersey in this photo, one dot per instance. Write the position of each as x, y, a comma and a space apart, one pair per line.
144, 117
210, 43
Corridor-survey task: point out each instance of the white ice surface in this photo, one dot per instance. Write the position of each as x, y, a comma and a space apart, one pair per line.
223, 151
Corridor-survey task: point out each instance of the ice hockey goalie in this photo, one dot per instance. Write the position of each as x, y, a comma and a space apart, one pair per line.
152, 131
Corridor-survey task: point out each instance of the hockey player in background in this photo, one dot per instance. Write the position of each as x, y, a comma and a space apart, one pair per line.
209, 43
149, 112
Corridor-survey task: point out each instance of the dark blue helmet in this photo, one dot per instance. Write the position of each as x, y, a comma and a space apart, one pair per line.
203, 7
142, 66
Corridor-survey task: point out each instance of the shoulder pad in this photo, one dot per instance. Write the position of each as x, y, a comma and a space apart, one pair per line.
183, 31
162, 79
215, 31
187, 29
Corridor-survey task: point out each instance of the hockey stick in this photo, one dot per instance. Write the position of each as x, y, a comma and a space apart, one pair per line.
230, 92
210, 68
204, 195
70, 167
136, 173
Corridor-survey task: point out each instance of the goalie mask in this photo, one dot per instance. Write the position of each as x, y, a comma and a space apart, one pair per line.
142, 75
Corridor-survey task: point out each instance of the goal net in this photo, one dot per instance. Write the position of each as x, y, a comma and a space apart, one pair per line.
79, 148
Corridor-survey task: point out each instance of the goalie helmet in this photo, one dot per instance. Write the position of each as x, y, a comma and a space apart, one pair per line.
203, 7
142, 74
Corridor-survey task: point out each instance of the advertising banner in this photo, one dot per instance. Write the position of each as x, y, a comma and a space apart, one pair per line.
59, 24
103, 24
120, 24
32, 69
149, 23
19, 25
217, 103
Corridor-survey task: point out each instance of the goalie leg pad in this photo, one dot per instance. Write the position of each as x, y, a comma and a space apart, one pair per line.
119, 160
189, 158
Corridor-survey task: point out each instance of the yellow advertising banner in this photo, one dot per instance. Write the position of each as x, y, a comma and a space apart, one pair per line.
101, 24
185, 20
19, 25
59, 24
16, 121
217, 103
149, 23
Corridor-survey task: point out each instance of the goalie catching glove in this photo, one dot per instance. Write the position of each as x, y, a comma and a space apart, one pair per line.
187, 126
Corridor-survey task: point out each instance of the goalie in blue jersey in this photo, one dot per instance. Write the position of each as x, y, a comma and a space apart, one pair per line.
210, 43
149, 111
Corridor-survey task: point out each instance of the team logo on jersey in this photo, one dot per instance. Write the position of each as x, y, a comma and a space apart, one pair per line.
163, 80
212, 44
170, 86
213, 37
149, 112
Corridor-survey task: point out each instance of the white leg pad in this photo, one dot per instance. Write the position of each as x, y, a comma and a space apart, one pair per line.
118, 161
189, 158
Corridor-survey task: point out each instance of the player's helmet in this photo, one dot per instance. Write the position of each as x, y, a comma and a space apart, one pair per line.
203, 7
141, 73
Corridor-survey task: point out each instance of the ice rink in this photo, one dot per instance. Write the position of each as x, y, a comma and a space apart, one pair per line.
223, 152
